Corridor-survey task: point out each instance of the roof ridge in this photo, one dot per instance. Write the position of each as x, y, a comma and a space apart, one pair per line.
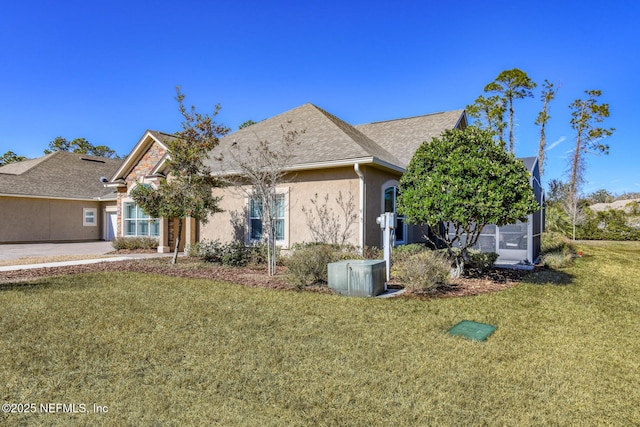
338, 121
413, 117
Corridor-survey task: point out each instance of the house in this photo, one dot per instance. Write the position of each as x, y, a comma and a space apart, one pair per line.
330, 159
362, 163
59, 197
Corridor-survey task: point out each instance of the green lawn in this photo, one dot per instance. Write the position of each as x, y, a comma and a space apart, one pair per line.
164, 351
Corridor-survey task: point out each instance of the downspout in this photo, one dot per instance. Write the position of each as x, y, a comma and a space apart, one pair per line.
356, 167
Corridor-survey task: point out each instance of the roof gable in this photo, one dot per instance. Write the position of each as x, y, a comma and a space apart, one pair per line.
403, 137
149, 138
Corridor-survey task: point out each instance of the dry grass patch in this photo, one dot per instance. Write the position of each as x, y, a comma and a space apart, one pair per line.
164, 350
45, 259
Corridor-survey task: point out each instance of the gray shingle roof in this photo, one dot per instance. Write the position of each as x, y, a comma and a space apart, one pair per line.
328, 139
59, 175
403, 137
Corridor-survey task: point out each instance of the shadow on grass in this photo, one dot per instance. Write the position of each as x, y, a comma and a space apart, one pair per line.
548, 276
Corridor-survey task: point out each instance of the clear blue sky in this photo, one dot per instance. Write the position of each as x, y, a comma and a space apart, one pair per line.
106, 70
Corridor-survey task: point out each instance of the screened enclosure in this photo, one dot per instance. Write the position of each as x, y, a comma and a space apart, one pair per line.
519, 242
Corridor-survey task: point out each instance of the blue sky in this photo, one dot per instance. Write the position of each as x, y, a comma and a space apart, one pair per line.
107, 70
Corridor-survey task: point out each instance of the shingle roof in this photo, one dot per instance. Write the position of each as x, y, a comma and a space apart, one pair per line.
59, 175
328, 139
403, 137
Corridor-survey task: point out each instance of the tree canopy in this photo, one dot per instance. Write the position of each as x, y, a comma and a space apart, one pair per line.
464, 180
10, 157
187, 190
80, 146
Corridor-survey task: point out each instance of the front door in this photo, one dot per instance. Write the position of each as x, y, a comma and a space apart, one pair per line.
112, 224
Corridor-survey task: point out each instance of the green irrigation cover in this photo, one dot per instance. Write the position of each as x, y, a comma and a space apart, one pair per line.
472, 330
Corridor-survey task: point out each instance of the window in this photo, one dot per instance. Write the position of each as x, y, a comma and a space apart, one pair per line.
255, 218
138, 223
390, 199
89, 217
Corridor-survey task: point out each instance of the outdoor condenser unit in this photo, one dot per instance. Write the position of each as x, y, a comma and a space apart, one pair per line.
360, 278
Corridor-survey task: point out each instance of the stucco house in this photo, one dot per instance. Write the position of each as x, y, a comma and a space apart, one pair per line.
331, 157
362, 163
59, 197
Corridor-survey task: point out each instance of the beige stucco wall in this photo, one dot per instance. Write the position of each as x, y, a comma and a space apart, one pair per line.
47, 220
300, 188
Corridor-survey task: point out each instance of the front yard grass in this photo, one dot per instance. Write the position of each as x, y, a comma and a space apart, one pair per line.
162, 350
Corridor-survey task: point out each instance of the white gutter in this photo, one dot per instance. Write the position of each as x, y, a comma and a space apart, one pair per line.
356, 167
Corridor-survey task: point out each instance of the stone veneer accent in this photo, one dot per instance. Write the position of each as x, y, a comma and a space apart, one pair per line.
147, 163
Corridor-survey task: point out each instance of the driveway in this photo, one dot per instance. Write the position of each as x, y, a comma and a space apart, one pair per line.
24, 250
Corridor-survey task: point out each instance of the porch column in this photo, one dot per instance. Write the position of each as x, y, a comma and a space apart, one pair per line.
190, 232
163, 239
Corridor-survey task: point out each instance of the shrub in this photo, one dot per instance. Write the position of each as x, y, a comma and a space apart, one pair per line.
557, 259
480, 261
402, 252
132, 243
208, 250
233, 254
372, 252
424, 271
307, 264
556, 242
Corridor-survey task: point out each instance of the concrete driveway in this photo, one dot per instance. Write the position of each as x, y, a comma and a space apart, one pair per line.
24, 250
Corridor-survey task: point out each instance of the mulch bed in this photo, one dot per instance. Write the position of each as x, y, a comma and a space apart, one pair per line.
472, 284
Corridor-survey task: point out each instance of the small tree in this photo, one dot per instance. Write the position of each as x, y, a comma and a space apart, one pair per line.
260, 169
328, 226
512, 84
187, 191
585, 116
488, 114
10, 157
461, 182
548, 94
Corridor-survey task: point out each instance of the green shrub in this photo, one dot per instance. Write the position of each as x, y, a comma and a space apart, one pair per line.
556, 242
372, 252
557, 259
207, 250
424, 271
132, 243
233, 254
402, 252
480, 261
307, 264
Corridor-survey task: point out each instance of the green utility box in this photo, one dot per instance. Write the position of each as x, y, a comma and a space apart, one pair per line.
358, 278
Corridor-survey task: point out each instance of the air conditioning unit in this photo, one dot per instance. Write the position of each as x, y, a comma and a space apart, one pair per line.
359, 278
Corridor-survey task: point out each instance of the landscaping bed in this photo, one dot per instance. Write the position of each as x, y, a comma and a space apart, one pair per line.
491, 281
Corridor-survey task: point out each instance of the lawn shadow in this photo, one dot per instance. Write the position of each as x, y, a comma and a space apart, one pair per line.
548, 276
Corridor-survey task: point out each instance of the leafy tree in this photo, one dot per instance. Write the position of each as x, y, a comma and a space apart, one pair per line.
488, 114
600, 196
512, 84
80, 146
187, 191
10, 157
246, 124
461, 182
558, 191
548, 94
585, 116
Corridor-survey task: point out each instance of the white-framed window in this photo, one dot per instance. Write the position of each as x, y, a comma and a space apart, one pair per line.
89, 217
279, 216
389, 201
137, 223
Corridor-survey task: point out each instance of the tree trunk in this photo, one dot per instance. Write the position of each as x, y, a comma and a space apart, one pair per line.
174, 260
